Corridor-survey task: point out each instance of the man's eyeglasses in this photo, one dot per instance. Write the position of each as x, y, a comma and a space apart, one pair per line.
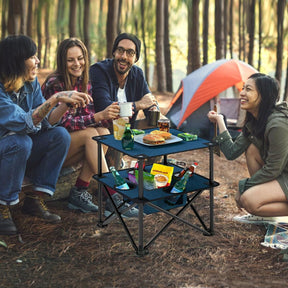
129, 52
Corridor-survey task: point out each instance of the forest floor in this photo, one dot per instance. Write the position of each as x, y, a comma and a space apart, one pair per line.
77, 253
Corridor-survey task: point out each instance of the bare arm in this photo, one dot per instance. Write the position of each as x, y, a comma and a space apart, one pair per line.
145, 102
76, 99
214, 117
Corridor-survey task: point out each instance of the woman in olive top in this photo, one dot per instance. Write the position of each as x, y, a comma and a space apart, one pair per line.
264, 139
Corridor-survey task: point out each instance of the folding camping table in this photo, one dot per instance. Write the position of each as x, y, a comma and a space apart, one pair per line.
151, 201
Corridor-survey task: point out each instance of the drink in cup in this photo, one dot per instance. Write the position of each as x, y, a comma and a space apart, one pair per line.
164, 124
126, 109
119, 127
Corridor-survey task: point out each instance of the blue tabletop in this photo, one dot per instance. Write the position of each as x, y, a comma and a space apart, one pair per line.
143, 151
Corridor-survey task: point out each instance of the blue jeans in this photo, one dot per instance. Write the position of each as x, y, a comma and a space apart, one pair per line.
40, 156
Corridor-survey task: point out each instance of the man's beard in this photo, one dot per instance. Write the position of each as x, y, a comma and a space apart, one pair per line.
122, 72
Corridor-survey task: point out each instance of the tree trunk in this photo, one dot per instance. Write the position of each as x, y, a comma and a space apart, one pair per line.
39, 31
205, 31
143, 40
259, 34
168, 64
160, 60
231, 34
280, 36
14, 17
225, 26
60, 18
245, 10
251, 29
219, 31
30, 18
193, 38
239, 29
3, 19
285, 96
23, 24
72, 18
47, 36
111, 25
100, 51
86, 22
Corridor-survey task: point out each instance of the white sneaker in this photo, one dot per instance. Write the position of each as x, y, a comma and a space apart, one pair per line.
253, 219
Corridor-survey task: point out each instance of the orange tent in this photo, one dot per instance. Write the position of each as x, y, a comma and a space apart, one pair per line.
204, 84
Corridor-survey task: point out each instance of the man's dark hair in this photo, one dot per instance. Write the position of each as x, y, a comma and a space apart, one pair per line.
131, 37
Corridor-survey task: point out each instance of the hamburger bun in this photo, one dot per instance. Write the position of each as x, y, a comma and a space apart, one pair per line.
153, 139
164, 134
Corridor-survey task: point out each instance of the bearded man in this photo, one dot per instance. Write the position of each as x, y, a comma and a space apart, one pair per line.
119, 80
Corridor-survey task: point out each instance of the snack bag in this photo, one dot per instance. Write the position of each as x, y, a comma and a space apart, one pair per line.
164, 170
148, 180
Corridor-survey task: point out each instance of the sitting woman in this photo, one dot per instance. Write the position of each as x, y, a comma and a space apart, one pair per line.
82, 123
29, 142
264, 140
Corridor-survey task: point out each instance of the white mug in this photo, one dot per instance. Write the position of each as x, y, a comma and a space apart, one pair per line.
125, 109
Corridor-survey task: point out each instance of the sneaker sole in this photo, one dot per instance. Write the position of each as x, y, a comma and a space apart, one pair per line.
257, 222
73, 207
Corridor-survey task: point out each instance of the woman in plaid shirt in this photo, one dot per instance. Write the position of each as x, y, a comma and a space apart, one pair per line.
82, 123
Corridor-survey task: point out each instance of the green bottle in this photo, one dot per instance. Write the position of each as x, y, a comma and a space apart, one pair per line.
128, 138
120, 182
179, 187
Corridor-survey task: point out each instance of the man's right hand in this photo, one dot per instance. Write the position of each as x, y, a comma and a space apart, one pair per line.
110, 112
146, 101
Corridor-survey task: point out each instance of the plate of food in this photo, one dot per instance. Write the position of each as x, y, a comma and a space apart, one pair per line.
156, 137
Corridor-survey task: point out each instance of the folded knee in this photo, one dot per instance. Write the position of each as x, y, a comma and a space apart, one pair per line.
251, 206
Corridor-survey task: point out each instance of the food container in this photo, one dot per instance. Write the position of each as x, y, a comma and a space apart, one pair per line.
160, 180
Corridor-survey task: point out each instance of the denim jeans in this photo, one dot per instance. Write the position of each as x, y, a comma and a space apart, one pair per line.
40, 156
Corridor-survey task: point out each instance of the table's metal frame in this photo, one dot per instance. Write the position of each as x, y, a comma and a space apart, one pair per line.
140, 200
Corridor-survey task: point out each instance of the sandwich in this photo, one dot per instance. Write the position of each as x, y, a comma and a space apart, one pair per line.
164, 134
153, 139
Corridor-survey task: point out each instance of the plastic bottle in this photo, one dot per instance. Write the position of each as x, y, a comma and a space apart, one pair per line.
191, 168
179, 187
128, 138
120, 182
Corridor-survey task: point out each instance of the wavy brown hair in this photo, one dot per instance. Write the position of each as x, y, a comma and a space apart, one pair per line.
62, 71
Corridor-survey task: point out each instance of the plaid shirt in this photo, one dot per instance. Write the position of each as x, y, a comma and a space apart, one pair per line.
75, 118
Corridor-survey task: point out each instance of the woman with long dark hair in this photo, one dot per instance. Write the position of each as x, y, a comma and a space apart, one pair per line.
29, 142
263, 139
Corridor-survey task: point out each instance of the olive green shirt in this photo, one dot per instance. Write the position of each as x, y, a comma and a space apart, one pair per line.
273, 150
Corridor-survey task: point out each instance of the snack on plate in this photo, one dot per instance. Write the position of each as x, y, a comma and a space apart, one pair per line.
138, 131
188, 136
164, 134
153, 139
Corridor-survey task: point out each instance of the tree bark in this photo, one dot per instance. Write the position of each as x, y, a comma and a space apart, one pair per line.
251, 32
168, 63
144, 40
219, 29
111, 25
160, 59
86, 22
280, 36
72, 18
205, 31
259, 34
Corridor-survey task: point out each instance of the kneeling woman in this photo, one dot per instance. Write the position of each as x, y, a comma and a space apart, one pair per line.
264, 139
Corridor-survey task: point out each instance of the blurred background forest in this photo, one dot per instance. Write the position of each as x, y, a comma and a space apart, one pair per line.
178, 36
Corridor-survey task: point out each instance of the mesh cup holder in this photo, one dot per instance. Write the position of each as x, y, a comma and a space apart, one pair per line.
130, 184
